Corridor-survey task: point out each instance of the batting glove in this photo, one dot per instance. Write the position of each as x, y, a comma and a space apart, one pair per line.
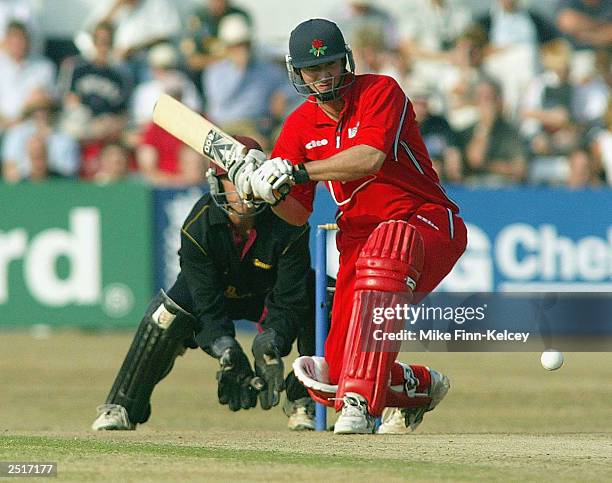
269, 366
272, 181
241, 170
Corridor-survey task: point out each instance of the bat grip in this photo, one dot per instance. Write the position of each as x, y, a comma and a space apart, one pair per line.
282, 191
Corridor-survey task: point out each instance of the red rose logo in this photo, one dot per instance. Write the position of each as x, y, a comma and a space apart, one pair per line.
317, 43
318, 47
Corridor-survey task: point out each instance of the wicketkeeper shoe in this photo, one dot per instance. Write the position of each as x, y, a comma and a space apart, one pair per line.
402, 421
354, 418
112, 417
301, 414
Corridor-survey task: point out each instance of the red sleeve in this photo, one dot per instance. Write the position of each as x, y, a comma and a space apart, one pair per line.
290, 147
383, 107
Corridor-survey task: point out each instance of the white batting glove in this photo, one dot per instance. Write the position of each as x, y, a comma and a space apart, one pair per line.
241, 169
272, 180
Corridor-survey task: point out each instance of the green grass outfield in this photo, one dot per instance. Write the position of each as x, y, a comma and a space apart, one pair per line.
505, 418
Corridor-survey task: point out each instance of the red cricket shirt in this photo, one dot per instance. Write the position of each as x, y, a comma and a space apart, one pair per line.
376, 113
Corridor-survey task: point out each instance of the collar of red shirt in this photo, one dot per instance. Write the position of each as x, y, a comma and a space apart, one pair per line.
321, 118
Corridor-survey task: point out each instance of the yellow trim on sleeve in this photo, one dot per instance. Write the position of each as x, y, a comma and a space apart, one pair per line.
196, 216
186, 233
191, 222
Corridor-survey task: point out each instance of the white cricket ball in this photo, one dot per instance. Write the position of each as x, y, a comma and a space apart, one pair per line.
551, 359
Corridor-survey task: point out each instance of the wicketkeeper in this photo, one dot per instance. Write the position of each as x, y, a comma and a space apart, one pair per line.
238, 261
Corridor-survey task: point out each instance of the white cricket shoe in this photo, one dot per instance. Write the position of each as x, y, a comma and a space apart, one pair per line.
406, 420
301, 414
112, 417
354, 418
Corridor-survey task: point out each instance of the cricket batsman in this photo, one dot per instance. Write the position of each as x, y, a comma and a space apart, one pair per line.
238, 261
399, 233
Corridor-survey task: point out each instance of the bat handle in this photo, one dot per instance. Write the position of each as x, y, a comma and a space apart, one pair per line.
282, 192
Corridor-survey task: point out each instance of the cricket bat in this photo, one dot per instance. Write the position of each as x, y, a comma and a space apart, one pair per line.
196, 131
200, 134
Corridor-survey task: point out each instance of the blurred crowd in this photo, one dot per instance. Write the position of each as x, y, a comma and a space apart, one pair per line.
503, 97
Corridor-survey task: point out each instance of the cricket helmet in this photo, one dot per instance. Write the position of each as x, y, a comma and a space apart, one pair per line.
314, 42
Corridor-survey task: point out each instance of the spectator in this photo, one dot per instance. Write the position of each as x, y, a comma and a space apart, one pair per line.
582, 171
165, 162
241, 88
97, 91
162, 159
163, 60
21, 76
546, 115
61, 153
429, 29
591, 93
356, 15
586, 23
509, 23
25, 12
514, 34
493, 150
439, 138
372, 56
201, 46
601, 145
39, 160
458, 80
139, 24
113, 164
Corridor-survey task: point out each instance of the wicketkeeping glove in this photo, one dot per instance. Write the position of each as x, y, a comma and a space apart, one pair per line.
237, 384
269, 367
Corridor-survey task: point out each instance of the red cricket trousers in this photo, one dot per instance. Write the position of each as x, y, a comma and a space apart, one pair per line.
445, 238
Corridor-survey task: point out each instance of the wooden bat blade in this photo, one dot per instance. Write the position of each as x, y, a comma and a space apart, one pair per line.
195, 131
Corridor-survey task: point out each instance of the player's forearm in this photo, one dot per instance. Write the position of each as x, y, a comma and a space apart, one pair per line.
292, 211
354, 163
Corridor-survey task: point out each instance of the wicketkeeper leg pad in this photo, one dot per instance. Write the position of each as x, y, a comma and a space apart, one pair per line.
387, 271
159, 339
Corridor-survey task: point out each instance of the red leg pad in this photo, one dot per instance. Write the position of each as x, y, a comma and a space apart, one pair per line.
387, 270
396, 397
